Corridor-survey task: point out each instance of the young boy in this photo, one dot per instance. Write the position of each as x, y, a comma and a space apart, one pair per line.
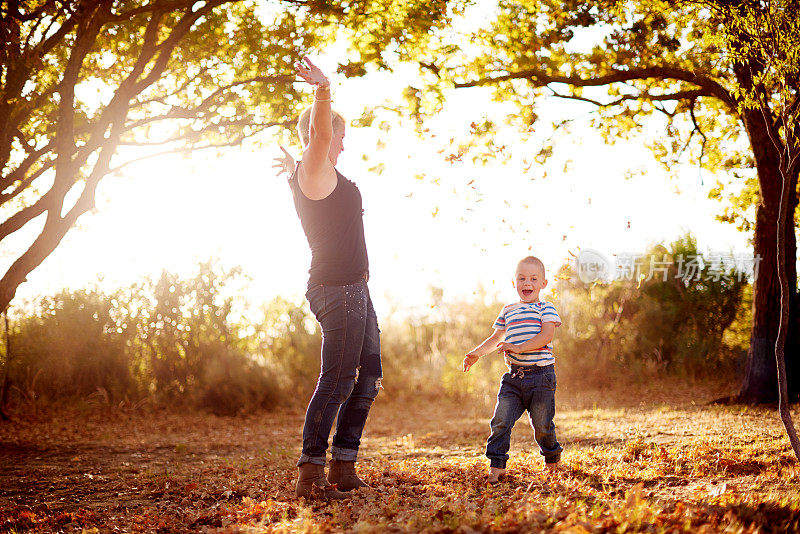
523, 332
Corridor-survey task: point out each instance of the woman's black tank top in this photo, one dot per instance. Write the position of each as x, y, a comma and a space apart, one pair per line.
334, 227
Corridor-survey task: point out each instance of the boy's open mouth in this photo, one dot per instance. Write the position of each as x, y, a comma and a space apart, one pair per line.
527, 292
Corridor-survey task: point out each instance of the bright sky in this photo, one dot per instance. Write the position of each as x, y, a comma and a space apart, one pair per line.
428, 222
435, 231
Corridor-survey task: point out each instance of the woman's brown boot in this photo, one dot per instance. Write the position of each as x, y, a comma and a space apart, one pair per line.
312, 484
343, 474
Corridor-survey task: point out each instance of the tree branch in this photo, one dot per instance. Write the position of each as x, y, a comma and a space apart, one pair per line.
56, 226
65, 146
166, 47
86, 201
64, 140
42, 9
19, 72
207, 128
163, 6
23, 216
45, 46
161, 99
35, 27
686, 145
25, 183
680, 95
662, 109
148, 47
19, 172
540, 78
128, 88
699, 130
26, 145
180, 150
177, 112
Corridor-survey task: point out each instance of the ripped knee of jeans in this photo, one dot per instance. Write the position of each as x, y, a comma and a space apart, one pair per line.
373, 391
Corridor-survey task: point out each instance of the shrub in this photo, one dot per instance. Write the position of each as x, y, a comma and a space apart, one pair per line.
72, 345
675, 326
195, 342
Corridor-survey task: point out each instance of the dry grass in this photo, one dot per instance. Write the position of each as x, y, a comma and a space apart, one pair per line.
667, 464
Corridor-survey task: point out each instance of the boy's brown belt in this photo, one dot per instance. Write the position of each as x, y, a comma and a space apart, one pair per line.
519, 371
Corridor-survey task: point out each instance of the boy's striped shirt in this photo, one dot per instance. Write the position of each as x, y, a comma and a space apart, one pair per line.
521, 321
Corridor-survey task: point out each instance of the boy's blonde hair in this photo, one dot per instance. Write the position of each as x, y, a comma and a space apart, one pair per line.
304, 124
532, 260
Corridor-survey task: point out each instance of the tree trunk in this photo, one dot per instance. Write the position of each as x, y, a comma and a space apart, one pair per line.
787, 298
760, 381
6, 369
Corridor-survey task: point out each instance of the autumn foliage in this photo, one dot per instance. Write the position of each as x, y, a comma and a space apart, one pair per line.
106, 433
668, 465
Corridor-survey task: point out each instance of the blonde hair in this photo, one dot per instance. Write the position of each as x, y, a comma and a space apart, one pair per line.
304, 124
532, 260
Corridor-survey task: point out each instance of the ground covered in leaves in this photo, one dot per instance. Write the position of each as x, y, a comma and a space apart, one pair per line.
672, 463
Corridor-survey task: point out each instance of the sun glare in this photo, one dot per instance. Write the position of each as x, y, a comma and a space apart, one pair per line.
431, 221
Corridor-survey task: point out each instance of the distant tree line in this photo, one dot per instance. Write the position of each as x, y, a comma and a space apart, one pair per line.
196, 343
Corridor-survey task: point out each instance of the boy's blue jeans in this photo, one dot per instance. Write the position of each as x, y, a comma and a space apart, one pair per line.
536, 393
351, 370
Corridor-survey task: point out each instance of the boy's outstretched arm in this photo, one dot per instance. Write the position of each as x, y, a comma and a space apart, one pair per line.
484, 348
536, 342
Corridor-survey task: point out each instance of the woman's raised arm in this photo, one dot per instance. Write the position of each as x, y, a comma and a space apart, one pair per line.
317, 178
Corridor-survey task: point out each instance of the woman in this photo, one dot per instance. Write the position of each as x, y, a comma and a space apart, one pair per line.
329, 207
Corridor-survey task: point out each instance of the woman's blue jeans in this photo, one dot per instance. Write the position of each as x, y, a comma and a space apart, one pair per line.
536, 393
351, 372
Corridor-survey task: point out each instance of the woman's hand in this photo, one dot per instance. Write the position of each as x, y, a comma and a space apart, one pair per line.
284, 164
507, 347
311, 73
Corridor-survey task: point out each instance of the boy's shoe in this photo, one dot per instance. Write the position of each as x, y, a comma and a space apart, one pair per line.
495, 473
312, 484
343, 474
